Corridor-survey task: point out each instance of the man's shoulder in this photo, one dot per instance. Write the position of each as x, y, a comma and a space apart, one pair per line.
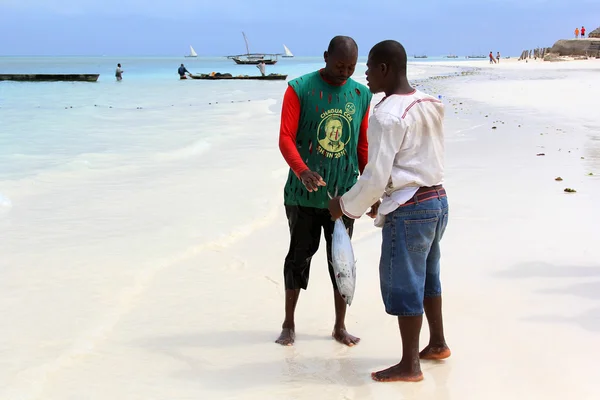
400, 106
299, 81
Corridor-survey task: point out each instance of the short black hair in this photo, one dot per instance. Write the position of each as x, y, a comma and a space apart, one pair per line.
342, 43
390, 52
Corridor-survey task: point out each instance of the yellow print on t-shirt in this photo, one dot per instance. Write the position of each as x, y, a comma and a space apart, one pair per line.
334, 131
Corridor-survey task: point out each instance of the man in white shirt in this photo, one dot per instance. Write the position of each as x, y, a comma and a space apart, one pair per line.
406, 168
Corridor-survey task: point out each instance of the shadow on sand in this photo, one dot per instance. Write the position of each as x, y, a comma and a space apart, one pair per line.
588, 320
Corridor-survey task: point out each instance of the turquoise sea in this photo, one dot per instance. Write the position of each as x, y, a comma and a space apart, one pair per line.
47, 125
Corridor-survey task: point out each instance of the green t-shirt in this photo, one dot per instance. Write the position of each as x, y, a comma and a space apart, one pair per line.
327, 137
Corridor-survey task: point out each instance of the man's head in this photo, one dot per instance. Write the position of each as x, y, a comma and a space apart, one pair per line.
182, 65
119, 65
340, 59
386, 65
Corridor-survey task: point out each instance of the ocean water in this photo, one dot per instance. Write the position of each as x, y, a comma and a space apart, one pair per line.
56, 125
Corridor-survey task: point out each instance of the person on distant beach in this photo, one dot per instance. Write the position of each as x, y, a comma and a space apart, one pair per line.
406, 167
498, 57
261, 68
492, 61
119, 72
576, 33
323, 138
182, 71
582, 32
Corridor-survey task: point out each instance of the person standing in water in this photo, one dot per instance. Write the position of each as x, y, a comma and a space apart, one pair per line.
119, 73
323, 138
261, 67
182, 71
406, 168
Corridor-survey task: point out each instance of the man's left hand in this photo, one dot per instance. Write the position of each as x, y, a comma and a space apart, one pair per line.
335, 208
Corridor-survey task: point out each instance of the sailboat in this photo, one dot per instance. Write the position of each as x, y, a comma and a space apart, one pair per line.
253, 58
288, 53
192, 52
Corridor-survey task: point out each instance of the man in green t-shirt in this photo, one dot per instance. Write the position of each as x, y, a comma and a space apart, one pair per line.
323, 138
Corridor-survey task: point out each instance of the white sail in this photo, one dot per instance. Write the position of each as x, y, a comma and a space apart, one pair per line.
288, 53
192, 52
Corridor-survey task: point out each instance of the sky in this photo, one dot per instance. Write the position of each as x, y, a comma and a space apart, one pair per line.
214, 28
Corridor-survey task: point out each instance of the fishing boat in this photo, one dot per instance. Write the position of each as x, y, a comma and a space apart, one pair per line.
479, 56
227, 76
49, 77
451, 56
253, 58
423, 56
192, 53
288, 53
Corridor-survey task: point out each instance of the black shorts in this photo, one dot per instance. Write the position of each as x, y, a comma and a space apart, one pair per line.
305, 225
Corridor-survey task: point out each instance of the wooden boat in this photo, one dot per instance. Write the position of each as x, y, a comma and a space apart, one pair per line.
253, 58
49, 77
451, 56
476, 56
215, 77
423, 56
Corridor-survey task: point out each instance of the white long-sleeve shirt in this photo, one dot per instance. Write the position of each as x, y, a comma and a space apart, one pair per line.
406, 152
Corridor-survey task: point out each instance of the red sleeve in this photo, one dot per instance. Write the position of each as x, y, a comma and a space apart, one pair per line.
290, 116
363, 144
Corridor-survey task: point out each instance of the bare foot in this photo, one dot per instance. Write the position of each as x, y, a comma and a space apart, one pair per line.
435, 352
342, 336
287, 337
397, 373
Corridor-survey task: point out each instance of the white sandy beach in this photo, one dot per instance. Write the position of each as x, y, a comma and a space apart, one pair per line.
130, 305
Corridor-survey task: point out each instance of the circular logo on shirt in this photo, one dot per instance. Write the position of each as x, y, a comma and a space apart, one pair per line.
350, 108
333, 133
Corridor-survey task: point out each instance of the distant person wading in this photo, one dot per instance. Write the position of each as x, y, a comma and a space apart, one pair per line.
182, 71
119, 73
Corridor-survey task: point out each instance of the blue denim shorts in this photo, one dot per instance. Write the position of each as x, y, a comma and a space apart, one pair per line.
409, 269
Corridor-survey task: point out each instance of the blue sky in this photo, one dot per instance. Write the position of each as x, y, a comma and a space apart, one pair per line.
160, 27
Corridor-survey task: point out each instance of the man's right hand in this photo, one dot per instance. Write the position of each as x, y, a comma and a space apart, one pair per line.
311, 180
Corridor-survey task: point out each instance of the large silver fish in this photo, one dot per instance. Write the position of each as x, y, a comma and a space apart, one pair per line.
344, 264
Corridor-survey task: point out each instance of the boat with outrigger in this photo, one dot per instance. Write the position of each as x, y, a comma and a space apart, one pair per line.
215, 76
254, 58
